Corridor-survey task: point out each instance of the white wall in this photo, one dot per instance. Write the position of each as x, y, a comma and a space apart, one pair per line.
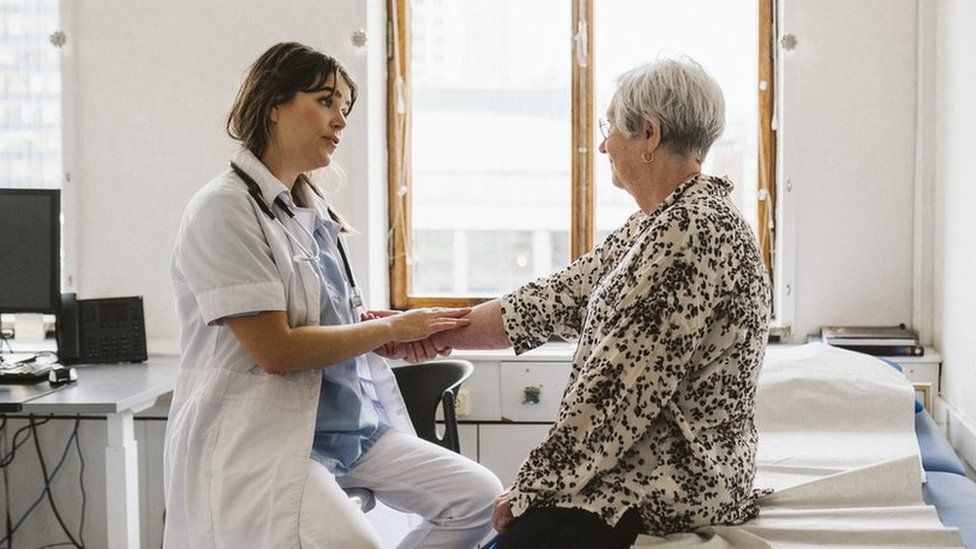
955, 223
846, 147
153, 82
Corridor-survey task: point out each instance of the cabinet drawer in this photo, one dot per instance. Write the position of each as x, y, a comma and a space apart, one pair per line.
532, 391
480, 392
468, 440
503, 448
923, 373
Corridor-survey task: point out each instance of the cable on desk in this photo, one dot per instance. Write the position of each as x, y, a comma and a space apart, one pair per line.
8, 459
32, 359
47, 479
40, 498
5, 336
6, 486
81, 481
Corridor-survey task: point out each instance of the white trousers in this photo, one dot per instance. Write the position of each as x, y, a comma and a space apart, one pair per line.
328, 518
454, 496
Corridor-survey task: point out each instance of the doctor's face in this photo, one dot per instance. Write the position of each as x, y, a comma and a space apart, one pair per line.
307, 130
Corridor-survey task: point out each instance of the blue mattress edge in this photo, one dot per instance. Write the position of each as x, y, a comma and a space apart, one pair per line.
937, 454
954, 499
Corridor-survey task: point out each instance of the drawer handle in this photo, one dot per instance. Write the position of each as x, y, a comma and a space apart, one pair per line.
531, 394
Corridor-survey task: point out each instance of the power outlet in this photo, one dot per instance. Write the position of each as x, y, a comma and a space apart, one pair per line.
462, 404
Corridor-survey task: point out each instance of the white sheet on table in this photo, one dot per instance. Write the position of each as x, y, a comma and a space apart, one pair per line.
823, 410
875, 506
837, 443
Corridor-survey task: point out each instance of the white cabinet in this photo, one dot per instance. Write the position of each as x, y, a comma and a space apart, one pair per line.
509, 405
481, 393
921, 369
532, 391
468, 440
504, 446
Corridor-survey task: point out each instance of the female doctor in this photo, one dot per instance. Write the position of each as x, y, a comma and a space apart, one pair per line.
280, 402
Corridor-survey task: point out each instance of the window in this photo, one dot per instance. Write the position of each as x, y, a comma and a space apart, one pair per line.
494, 174
30, 98
30, 95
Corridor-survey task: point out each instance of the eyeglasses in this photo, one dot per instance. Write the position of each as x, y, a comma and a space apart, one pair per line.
605, 127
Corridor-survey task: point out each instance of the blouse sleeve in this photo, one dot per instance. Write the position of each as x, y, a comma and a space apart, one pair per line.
657, 315
557, 304
553, 305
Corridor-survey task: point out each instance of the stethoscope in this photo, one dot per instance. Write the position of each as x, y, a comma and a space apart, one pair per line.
305, 254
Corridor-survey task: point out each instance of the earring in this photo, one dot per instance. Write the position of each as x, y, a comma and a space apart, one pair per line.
646, 159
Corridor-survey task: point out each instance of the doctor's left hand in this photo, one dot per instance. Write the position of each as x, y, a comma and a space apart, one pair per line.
391, 350
412, 352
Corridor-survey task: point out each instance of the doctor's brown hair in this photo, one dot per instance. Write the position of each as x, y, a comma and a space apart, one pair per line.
274, 79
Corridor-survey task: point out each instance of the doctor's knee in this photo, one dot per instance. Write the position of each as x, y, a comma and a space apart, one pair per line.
480, 489
363, 544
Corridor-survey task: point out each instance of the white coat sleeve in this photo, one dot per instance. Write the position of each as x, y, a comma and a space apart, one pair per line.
225, 259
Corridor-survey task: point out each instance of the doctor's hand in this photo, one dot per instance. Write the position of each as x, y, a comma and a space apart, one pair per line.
424, 350
419, 324
392, 350
413, 352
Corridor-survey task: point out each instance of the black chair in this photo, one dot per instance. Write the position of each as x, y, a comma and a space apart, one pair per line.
424, 387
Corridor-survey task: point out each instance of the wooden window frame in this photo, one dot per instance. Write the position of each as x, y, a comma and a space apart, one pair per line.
766, 193
582, 230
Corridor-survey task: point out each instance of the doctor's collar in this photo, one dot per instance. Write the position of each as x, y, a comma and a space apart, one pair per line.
270, 187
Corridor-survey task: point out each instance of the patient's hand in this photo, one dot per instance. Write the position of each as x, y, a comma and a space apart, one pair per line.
501, 517
393, 350
424, 350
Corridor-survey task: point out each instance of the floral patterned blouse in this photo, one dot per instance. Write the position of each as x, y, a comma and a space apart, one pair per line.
672, 315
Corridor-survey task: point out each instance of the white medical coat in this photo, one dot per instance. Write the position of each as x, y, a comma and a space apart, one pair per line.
238, 439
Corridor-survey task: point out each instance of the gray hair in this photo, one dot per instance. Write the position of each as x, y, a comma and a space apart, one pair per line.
678, 93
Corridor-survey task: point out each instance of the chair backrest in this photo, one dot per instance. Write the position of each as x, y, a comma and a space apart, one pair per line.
424, 387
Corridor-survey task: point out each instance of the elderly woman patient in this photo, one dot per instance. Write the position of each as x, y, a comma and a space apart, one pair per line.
655, 431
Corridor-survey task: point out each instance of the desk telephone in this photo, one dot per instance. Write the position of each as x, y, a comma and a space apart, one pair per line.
101, 330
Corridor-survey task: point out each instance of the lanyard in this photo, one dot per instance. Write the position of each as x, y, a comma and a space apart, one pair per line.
357, 296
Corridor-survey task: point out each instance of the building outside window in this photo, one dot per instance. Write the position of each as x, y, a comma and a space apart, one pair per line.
30, 95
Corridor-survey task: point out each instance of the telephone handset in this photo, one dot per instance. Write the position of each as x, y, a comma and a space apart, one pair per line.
101, 330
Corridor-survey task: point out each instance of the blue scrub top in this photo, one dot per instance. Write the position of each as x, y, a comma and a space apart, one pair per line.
350, 418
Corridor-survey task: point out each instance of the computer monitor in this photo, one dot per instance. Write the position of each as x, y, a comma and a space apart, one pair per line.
30, 250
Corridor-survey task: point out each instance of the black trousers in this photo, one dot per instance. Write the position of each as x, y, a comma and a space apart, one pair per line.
561, 528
